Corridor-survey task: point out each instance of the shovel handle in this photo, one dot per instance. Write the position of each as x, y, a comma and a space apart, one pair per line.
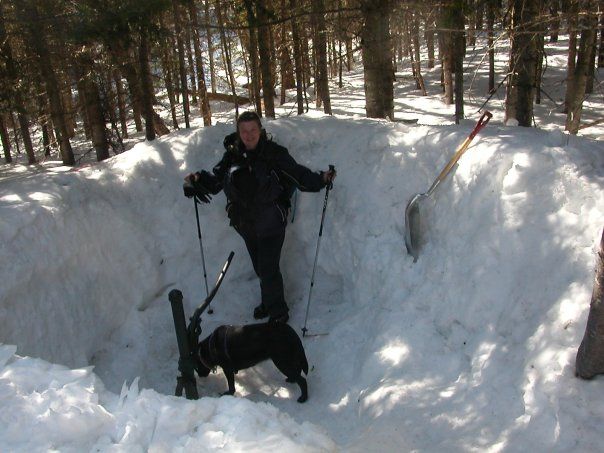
482, 122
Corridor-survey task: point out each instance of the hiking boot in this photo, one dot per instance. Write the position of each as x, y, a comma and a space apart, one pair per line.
260, 312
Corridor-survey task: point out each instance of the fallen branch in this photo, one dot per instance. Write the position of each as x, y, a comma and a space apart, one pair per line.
228, 98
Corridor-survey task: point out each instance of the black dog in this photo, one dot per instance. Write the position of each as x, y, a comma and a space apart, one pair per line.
235, 348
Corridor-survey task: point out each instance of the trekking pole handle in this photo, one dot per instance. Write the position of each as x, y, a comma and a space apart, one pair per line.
482, 122
327, 189
332, 169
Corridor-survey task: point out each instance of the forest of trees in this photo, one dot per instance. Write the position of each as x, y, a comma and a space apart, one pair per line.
92, 66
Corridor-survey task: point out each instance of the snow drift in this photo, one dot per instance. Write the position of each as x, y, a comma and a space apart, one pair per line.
469, 348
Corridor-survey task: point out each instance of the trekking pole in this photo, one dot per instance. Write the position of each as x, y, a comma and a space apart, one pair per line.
314, 267
203, 260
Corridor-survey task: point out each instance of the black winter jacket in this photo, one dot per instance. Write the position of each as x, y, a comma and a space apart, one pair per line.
259, 184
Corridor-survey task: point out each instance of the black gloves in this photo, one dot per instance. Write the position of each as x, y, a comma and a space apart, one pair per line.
329, 176
196, 189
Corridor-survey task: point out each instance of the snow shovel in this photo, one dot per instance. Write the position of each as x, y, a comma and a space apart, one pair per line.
412, 224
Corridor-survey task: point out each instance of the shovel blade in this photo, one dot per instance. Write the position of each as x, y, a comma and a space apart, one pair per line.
412, 226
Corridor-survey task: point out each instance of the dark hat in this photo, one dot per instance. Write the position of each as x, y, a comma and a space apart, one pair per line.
249, 116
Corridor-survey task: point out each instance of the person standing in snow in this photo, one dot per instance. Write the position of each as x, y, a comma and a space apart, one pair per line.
258, 177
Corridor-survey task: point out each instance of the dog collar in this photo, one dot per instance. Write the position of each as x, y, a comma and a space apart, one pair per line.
201, 359
213, 349
204, 363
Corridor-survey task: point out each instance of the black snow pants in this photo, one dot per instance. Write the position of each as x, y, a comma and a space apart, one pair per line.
265, 253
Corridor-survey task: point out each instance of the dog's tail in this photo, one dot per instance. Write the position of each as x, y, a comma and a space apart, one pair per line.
301, 353
304, 363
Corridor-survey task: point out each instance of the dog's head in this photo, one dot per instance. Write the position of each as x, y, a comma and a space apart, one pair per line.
202, 362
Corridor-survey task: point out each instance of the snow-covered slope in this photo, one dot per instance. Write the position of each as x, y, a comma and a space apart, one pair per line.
470, 348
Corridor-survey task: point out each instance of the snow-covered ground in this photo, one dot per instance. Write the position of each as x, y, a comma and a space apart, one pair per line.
471, 348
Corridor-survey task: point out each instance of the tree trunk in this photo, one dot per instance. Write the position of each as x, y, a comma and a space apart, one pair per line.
210, 46
272, 50
110, 111
28, 14
453, 44
5, 140
340, 65
601, 45
43, 118
349, 53
173, 60
400, 41
472, 22
93, 107
523, 63
447, 54
479, 15
26, 137
459, 103
121, 102
253, 50
264, 53
13, 125
46, 141
334, 56
82, 107
458, 41
491, 43
14, 78
407, 47
418, 68
540, 49
181, 62
94, 112
68, 108
429, 37
589, 88
23, 120
306, 64
190, 66
288, 80
313, 68
204, 104
122, 59
168, 81
341, 36
572, 20
554, 6
146, 84
320, 39
285, 67
377, 59
298, 65
226, 52
590, 356
584, 58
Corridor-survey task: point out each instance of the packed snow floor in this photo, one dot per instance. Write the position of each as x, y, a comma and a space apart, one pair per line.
471, 348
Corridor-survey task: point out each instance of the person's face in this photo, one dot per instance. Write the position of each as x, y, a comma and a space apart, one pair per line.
249, 132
